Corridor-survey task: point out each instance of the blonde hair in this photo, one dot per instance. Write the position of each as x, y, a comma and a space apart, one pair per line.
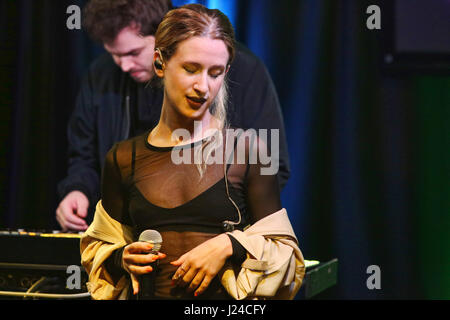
220, 113
196, 20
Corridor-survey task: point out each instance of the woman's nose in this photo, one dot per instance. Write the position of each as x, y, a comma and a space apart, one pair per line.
201, 84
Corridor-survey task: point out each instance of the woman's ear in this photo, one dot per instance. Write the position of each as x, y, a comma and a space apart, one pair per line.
158, 64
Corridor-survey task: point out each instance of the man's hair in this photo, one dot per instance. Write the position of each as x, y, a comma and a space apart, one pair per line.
104, 19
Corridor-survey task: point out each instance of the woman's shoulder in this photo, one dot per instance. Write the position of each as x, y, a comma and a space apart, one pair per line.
250, 137
249, 142
123, 152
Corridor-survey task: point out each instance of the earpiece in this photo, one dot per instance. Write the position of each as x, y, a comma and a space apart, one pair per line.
158, 61
158, 64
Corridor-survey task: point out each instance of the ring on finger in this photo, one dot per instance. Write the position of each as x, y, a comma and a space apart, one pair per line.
179, 274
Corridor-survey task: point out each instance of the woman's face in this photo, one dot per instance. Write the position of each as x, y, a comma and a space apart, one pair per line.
194, 75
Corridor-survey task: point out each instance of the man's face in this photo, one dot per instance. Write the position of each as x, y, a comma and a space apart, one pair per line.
133, 53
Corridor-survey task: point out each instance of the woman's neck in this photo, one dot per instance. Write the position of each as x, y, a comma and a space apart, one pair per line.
176, 129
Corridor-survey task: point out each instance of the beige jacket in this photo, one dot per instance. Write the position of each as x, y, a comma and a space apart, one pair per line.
274, 267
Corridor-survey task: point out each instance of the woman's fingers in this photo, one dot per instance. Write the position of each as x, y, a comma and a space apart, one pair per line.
136, 260
134, 283
179, 275
140, 258
161, 255
179, 261
182, 269
139, 270
139, 252
199, 266
203, 286
196, 281
186, 279
139, 247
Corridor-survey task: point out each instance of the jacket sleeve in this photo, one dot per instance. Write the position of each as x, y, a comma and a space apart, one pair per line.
274, 267
83, 172
101, 239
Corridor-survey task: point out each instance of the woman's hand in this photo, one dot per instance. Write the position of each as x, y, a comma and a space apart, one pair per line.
199, 266
136, 259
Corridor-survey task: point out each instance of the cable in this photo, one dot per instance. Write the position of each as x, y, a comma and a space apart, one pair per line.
46, 295
229, 225
229, 197
34, 286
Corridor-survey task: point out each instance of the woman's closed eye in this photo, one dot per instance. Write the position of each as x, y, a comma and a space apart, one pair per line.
190, 69
214, 73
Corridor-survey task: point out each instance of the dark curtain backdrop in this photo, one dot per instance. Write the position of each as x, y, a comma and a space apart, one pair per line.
369, 150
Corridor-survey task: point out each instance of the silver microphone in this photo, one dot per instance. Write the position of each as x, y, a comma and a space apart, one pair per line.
153, 237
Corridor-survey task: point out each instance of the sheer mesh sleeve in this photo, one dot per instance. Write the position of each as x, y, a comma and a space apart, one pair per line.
258, 176
263, 195
113, 195
261, 183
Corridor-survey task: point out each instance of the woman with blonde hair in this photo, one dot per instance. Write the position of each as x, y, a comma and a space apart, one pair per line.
225, 234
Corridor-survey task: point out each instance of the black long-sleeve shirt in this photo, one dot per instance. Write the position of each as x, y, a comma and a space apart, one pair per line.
143, 187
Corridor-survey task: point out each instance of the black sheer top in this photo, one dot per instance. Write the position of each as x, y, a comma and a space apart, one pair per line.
149, 187
160, 188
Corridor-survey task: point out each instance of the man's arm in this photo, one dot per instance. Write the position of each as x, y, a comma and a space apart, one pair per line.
83, 173
256, 103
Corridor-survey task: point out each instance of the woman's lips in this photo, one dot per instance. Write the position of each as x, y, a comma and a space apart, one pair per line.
195, 102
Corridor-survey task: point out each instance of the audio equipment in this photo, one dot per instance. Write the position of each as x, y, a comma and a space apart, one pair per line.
38, 264
319, 277
40, 248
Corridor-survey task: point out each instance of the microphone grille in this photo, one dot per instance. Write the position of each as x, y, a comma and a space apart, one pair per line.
153, 237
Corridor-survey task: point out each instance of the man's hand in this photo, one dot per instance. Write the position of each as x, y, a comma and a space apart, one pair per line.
72, 211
